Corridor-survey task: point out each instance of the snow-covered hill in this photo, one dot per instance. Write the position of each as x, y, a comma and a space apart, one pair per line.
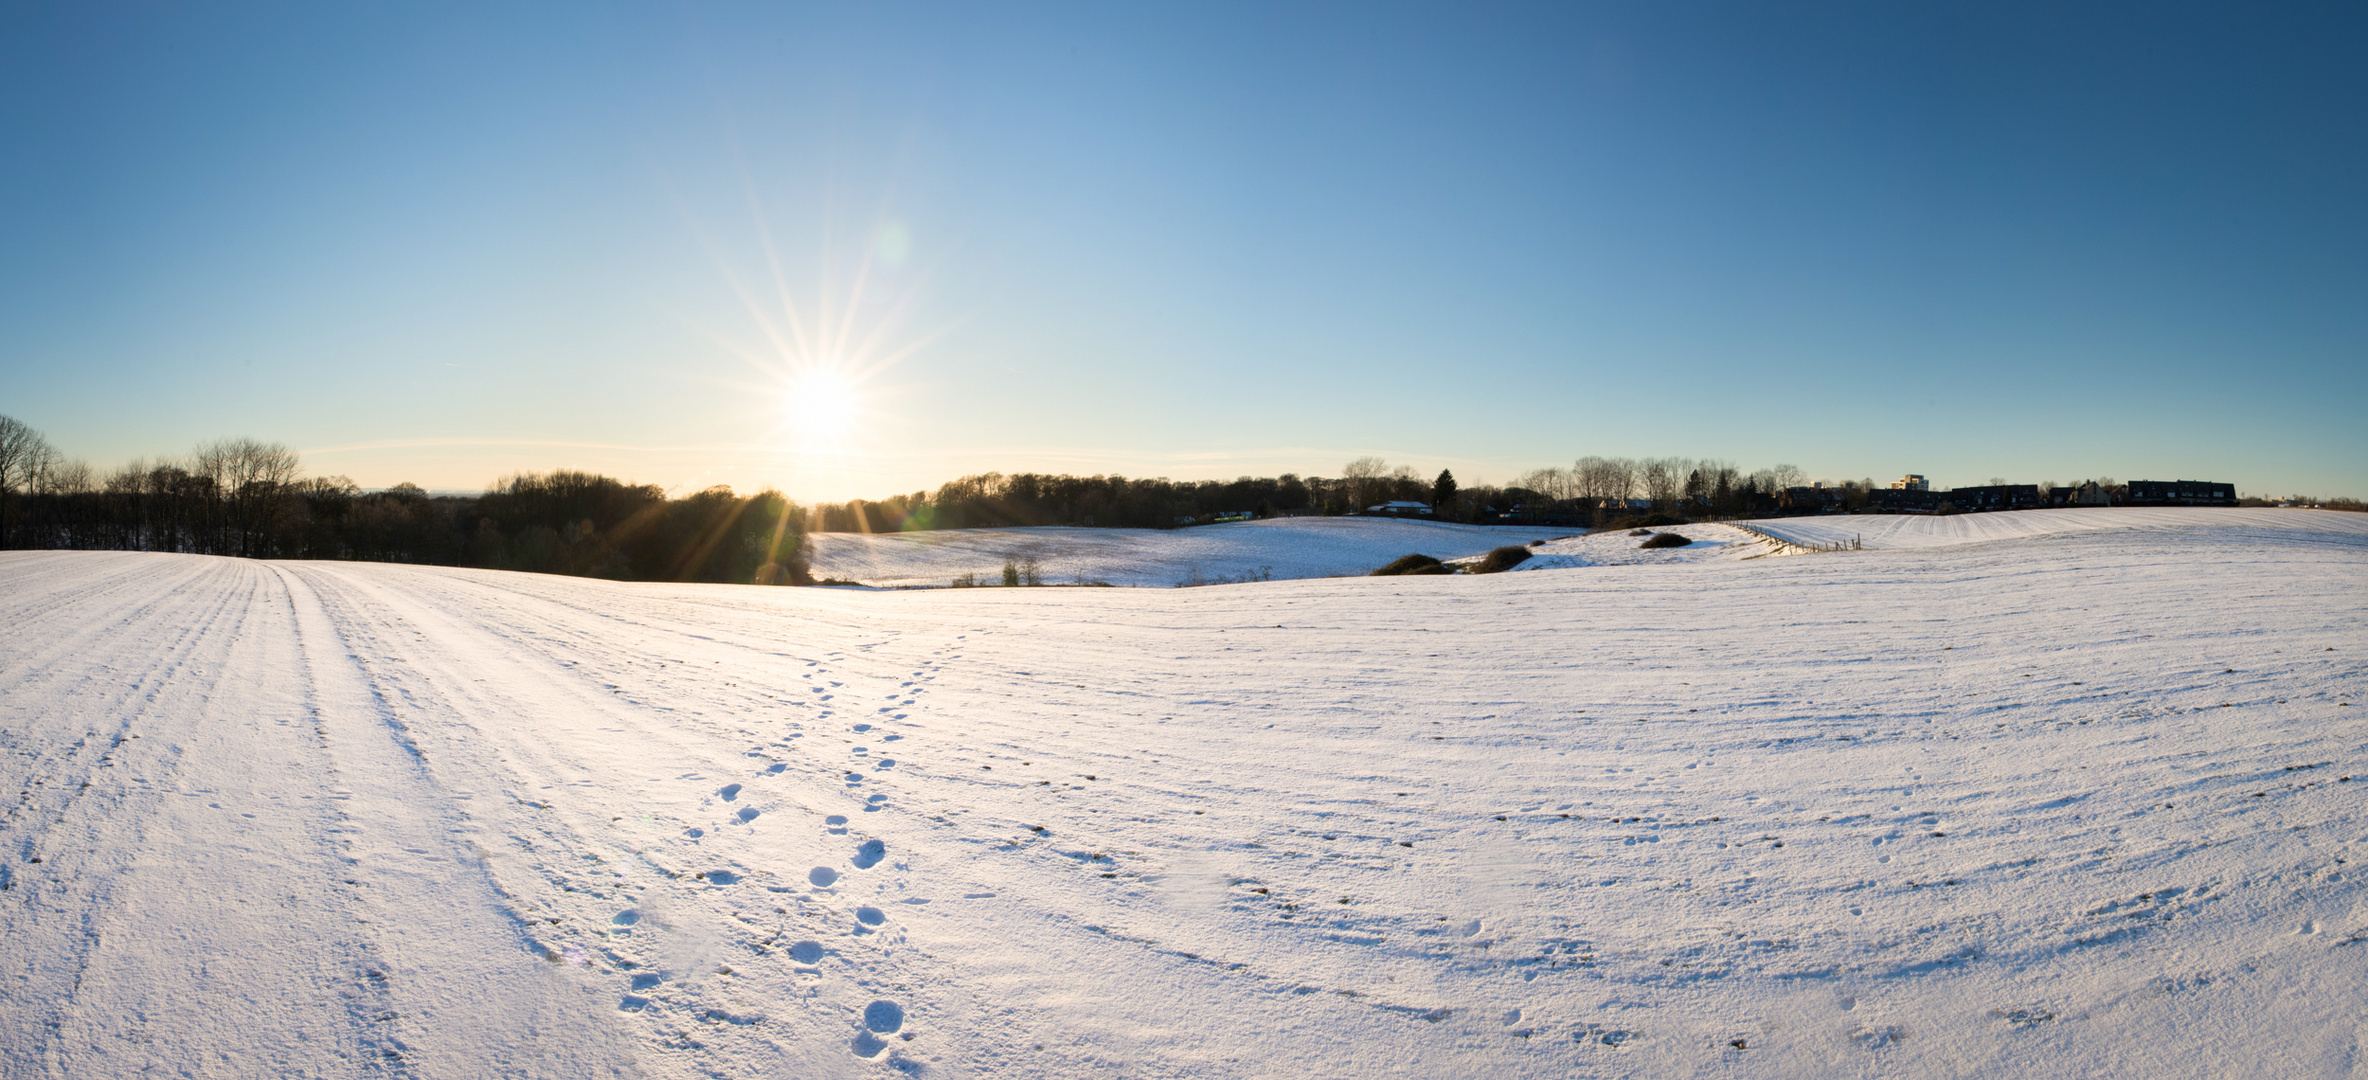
2094, 804
1247, 550
1916, 531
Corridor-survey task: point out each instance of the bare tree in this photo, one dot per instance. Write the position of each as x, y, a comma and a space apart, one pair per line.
1623, 477
24, 457
1601, 479
249, 476
1784, 476
1664, 479
64, 477
1363, 477
1551, 482
1587, 479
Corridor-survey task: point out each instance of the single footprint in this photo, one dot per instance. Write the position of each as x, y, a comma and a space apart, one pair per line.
883, 1017
776, 770
694, 833
626, 917
862, 727
868, 1045
647, 980
722, 877
806, 952
822, 876
870, 854
870, 916
747, 814
730, 792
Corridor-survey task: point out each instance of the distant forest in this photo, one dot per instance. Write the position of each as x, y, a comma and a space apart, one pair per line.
1593, 487
249, 498
244, 497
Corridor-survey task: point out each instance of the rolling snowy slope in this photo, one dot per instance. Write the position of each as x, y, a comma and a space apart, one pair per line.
1917, 531
2089, 804
1276, 548
1619, 547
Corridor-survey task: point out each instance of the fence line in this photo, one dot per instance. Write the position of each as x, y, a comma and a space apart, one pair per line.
1855, 543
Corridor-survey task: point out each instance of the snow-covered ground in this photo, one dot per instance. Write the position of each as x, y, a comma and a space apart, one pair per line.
2090, 804
1621, 547
1247, 550
1916, 531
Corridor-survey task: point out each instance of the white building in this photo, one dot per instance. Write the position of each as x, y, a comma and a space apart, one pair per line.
1911, 482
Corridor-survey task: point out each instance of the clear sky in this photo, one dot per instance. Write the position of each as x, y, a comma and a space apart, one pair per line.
859, 249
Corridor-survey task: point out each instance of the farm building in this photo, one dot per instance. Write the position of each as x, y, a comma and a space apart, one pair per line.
2180, 493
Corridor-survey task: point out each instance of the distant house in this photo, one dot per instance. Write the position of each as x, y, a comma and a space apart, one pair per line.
2090, 494
1911, 482
1400, 508
1995, 497
1810, 499
1899, 500
2180, 493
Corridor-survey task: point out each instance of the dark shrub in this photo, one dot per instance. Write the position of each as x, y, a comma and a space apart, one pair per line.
1504, 558
1642, 532
1666, 540
1411, 564
1434, 568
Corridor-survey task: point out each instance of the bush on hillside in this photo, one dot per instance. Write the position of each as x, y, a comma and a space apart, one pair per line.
1504, 558
1411, 564
1665, 540
1642, 532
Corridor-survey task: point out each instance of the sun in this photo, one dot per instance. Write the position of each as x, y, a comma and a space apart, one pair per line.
822, 407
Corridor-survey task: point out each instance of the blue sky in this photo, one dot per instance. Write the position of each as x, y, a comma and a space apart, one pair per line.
441, 244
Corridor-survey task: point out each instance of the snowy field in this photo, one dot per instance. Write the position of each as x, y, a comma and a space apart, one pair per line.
2089, 803
1619, 547
1917, 531
1247, 550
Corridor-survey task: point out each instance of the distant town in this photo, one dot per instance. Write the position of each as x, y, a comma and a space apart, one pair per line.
1911, 494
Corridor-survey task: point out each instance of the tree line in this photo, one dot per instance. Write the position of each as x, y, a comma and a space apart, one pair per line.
245, 497
1589, 491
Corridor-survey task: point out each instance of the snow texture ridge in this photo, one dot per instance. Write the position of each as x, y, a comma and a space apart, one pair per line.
2077, 803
